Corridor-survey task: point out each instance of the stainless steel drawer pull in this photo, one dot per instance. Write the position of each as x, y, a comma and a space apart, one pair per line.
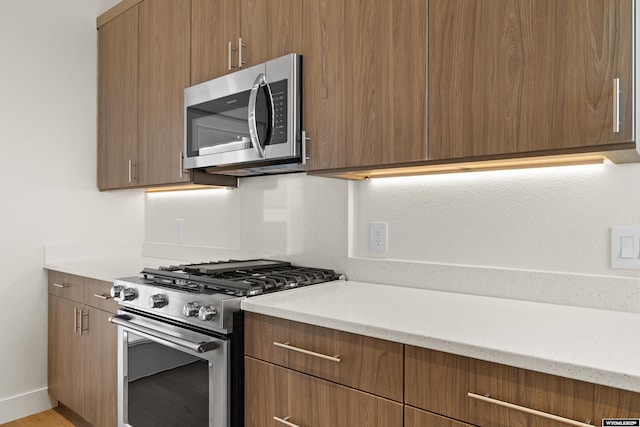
303, 351
75, 320
304, 147
60, 285
616, 105
231, 49
240, 46
102, 296
526, 410
285, 421
82, 326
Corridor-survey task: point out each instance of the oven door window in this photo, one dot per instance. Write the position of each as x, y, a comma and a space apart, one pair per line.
165, 386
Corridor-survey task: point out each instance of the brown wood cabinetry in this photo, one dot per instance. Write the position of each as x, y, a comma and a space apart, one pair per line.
513, 77
164, 72
266, 29
440, 383
417, 418
275, 392
315, 376
118, 101
364, 82
82, 364
144, 65
363, 363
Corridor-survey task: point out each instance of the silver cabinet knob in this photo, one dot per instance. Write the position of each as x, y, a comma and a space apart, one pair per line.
191, 309
157, 301
208, 313
128, 294
115, 291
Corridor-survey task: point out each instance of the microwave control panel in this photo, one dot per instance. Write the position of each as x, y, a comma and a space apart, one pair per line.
279, 93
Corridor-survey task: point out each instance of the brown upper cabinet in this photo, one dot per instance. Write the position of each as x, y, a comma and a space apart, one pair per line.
118, 101
144, 54
143, 68
527, 76
164, 74
228, 35
364, 94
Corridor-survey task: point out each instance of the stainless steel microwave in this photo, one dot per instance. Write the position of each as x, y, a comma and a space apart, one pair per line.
248, 122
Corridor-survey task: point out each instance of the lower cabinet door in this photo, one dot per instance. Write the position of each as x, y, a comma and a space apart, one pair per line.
278, 397
418, 418
66, 355
101, 368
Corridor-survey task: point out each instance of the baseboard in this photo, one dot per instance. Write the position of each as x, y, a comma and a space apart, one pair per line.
25, 404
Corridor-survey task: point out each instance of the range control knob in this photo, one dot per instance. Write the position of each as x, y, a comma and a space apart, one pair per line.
191, 309
115, 291
128, 294
208, 313
157, 301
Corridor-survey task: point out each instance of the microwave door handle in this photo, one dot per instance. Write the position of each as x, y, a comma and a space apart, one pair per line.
253, 128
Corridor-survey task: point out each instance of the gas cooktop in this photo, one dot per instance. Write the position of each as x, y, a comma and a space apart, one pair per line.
206, 294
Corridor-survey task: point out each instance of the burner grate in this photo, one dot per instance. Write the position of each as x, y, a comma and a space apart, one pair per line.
240, 278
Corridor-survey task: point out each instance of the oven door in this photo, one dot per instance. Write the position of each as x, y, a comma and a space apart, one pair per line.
170, 375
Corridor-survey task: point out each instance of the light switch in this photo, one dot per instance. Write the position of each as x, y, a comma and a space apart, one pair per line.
627, 247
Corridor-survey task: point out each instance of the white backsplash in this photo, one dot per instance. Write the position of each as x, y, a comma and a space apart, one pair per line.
536, 234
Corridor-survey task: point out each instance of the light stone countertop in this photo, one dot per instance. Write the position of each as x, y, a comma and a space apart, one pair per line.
586, 344
108, 269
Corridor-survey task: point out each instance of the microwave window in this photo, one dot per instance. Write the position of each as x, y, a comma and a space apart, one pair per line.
222, 125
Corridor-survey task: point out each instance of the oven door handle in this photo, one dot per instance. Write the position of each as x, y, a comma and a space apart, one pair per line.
163, 338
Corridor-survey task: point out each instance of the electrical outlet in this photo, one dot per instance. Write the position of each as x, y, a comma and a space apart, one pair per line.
378, 237
179, 229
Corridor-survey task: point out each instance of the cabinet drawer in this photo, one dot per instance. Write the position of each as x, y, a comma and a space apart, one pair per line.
274, 394
418, 418
96, 294
364, 363
66, 285
441, 383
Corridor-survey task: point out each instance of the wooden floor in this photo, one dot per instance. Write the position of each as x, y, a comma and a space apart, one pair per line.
50, 418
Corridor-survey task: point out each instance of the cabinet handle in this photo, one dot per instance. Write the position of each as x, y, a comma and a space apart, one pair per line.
304, 147
285, 421
526, 410
231, 49
286, 346
616, 105
102, 296
129, 171
180, 165
60, 285
82, 315
240, 46
75, 320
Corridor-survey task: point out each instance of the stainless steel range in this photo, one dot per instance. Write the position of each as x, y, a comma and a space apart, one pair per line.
180, 343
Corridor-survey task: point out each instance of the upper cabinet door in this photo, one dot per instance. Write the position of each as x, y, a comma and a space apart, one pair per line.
270, 29
164, 74
364, 82
518, 76
118, 101
214, 38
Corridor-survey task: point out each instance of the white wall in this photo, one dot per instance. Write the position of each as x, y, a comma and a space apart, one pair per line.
47, 177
